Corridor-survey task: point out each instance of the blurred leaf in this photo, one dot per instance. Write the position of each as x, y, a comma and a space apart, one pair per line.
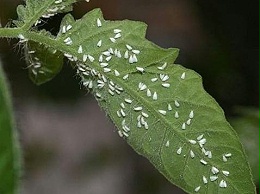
247, 127
9, 149
160, 108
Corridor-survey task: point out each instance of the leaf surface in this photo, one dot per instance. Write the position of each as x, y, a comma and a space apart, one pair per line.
43, 62
9, 152
35, 11
159, 108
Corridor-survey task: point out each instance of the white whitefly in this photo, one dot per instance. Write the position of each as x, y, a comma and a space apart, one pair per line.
117, 73
183, 127
126, 55
128, 47
166, 85
99, 24
154, 79
197, 189
205, 180
176, 115
167, 143
200, 137
80, 49
213, 178
116, 31
191, 115
226, 173
99, 44
192, 141
192, 155
139, 108
179, 150
214, 170
136, 52
112, 39
183, 76
155, 96
148, 93
163, 112
223, 184
176, 103
140, 69
203, 162
169, 107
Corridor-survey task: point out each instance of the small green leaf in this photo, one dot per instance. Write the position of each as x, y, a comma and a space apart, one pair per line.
9, 151
43, 62
160, 108
247, 127
35, 11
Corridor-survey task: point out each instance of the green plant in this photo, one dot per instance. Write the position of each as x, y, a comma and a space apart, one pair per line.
160, 108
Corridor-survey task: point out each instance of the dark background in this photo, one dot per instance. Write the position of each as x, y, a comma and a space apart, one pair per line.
71, 147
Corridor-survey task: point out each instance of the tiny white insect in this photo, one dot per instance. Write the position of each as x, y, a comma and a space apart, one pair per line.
103, 64
106, 70
142, 87
108, 58
155, 96
117, 73
128, 47
117, 31
188, 122
125, 134
183, 127
176, 103
202, 141
154, 79
135, 60
145, 115
63, 30
117, 36
167, 143
126, 55
163, 66
91, 58
214, 170
118, 114
169, 107
213, 178
166, 85
122, 105
226, 173
139, 108
112, 40
200, 137
80, 49
205, 180
136, 52
228, 155
128, 101
99, 44
148, 93
192, 141
126, 77
176, 115
99, 24
192, 155
197, 189
111, 51
224, 158
179, 150
209, 154
106, 53
112, 94
223, 184
163, 112
203, 162
191, 115
122, 113
120, 133
85, 57
68, 27
140, 69
183, 75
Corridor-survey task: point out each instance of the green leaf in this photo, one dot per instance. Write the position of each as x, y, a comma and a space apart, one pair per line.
9, 151
159, 108
43, 62
35, 11
247, 127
